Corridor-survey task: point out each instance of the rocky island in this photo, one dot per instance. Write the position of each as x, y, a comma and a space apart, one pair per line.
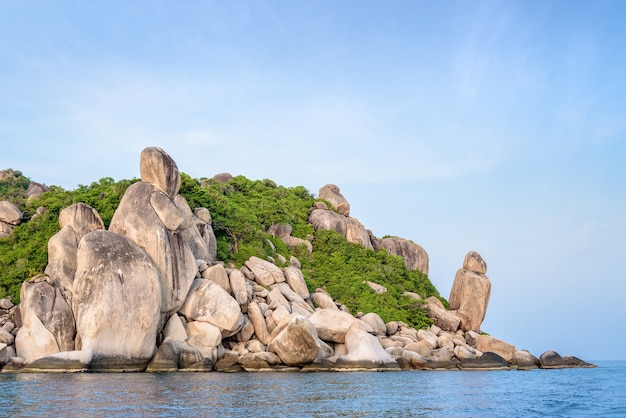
148, 293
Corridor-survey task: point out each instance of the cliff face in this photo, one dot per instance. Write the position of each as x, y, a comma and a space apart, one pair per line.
147, 294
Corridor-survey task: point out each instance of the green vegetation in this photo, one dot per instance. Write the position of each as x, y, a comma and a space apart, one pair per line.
24, 254
342, 268
242, 212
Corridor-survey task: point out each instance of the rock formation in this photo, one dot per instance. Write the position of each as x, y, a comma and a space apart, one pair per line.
470, 292
148, 294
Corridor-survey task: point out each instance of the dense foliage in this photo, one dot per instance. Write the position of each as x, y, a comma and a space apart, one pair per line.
343, 268
24, 254
242, 211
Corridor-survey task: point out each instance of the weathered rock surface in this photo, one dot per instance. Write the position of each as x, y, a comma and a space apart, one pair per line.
524, 360
9, 213
76, 221
332, 194
415, 257
209, 302
443, 318
475, 263
332, 324
265, 273
295, 341
487, 343
45, 301
153, 229
470, 296
116, 300
364, 351
63, 362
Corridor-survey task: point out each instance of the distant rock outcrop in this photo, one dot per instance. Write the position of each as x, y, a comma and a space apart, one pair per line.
332, 194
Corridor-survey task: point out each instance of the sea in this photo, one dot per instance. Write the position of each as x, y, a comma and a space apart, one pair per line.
598, 392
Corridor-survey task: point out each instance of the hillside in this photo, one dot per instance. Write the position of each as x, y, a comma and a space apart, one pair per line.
243, 212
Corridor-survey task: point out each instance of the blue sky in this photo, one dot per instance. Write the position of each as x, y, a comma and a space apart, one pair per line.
491, 126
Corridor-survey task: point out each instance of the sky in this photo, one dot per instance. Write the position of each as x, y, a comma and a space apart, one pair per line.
493, 126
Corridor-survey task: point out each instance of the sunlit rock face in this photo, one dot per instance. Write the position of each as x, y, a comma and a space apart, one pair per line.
150, 216
116, 301
470, 293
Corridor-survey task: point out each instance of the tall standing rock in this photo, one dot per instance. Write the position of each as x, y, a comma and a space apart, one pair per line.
76, 221
116, 301
149, 217
470, 292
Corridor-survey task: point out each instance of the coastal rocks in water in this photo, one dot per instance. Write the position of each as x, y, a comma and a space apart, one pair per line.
414, 255
76, 221
33, 340
116, 301
488, 361
470, 293
553, 360
63, 362
332, 194
295, 341
365, 352
487, 343
150, 218
173, 355
44, 300
524, 360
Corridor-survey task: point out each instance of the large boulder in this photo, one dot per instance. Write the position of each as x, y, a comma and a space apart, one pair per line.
475, 263
357, 234
295, 341
9, 213
33, 340
40, 297
265, 273
442, 318
116, 301
375, 322
295, 279
82, 218
159, 169
258, 322
332, 324
524, 360
209, 302
151, 220
414, 255
469, 296
487, 343
63, 362
327, 220
364, 351
332, 194
76, 221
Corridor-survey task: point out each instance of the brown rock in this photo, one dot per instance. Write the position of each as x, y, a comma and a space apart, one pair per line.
415, 257
332, 194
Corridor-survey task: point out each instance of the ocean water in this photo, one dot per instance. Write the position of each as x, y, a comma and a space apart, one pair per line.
535, 393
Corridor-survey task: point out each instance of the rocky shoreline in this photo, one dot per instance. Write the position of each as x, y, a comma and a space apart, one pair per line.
148, 295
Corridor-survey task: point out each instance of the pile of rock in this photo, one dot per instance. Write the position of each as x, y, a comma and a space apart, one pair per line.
324, 218
147, 294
